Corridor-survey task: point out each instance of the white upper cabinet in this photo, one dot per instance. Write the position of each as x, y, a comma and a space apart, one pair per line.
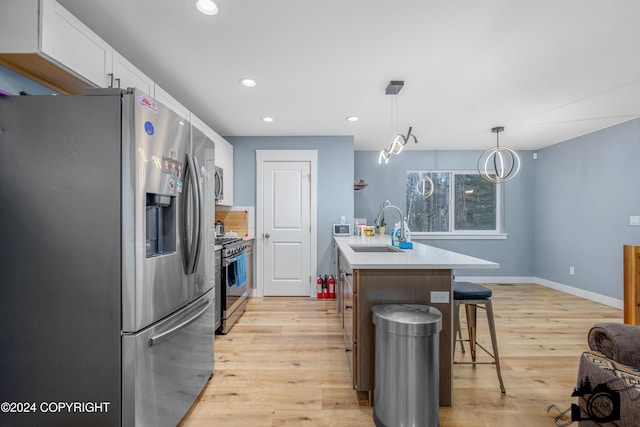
125, 75
168, 100
41, 38
73, 45
39, 35
202, 127
224, 160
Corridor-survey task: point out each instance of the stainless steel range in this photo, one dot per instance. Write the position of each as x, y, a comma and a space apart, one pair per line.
233, 281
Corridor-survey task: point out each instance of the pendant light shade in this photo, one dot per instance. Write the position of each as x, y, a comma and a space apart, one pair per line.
396, 146
398, 143
498, 164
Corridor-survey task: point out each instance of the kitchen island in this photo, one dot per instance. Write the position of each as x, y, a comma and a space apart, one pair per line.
371, 272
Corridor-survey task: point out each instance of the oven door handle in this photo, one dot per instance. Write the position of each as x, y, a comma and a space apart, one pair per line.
228, 261
156, 339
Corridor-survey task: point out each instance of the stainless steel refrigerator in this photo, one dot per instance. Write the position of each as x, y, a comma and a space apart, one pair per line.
106, 261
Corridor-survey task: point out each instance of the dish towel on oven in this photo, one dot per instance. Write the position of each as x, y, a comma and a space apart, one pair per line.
241, 270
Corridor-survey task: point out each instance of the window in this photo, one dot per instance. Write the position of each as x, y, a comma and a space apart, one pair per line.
462, 203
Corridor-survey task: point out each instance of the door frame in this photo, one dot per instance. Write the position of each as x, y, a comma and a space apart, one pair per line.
263, 156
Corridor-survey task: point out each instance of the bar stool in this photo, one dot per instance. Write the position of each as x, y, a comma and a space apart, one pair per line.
474, 296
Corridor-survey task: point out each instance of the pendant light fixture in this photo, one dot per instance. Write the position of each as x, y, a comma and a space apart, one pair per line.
393, 88
499, 164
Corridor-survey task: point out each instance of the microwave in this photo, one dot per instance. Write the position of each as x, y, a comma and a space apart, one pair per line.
219, 184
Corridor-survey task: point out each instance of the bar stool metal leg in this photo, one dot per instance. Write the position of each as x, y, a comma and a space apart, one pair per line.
456, 320
471, 310
471, 307
494, 341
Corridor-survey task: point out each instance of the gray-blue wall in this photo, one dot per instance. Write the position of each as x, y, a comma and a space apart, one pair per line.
13, 83
388, 182
570, 207
335, 179
585, 190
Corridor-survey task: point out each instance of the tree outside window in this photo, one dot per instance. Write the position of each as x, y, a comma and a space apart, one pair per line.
461, 202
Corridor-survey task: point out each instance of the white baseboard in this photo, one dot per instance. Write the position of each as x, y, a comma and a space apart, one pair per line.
254, 293
603, 299
497, 279
592, 296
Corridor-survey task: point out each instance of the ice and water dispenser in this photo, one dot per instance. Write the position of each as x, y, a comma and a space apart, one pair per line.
161, 224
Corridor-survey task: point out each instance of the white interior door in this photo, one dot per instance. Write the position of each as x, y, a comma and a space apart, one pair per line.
286, 223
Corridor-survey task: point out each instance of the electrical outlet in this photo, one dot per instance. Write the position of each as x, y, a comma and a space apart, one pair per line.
634, 220
439, 296
572, 271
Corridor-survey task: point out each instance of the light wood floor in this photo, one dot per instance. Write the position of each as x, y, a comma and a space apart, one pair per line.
284, 364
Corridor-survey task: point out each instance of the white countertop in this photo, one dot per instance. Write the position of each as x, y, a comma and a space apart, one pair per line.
420, 257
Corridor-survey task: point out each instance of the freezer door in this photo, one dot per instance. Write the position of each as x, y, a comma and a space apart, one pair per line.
166, 366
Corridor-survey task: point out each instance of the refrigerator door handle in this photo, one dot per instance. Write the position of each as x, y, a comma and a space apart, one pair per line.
218, 185
191, 242
198, 204
156, 339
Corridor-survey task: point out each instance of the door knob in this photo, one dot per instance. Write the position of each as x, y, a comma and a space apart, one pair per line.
267, 235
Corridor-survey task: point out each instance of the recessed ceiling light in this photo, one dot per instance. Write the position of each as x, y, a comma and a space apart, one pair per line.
353, 118
248, 82
267, 119
207, 7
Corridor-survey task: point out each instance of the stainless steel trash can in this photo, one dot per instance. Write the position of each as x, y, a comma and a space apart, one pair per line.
406, 390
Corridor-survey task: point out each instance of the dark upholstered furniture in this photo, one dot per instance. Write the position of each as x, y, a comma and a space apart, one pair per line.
609, 377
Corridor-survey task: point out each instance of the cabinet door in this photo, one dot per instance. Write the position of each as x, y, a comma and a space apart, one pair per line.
201, 126
125, 75
163, 96
354, 360
73, 45
224, 159
349, 300
207, 131
347, 297
339, 288
228, 176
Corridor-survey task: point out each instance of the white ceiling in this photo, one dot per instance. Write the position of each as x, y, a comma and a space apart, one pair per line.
546, 70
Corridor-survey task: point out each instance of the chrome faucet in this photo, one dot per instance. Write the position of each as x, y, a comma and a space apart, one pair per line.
387, 204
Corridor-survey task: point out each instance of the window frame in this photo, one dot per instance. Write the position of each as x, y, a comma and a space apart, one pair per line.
498, 233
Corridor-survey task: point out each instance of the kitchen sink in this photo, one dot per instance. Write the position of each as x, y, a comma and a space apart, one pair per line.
374, 248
